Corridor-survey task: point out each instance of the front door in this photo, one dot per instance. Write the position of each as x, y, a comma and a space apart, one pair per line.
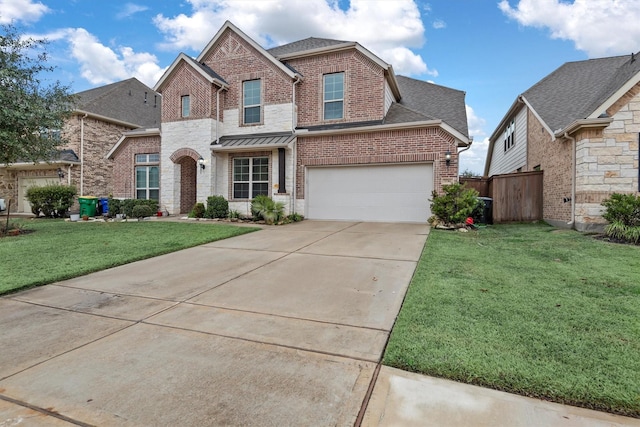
188, 183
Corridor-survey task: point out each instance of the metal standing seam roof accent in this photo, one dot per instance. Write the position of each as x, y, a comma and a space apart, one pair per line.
255, 141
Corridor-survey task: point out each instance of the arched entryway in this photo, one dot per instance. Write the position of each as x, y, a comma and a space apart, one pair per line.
187, 159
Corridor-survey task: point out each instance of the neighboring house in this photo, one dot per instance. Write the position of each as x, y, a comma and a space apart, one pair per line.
101, 117
579, 125
323, 126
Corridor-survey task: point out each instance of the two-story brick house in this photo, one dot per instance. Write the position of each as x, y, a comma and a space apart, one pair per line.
100, 119
580, 126
324, 126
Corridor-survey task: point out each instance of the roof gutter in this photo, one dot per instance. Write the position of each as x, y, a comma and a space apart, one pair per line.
106, 119
573, 127
463, 140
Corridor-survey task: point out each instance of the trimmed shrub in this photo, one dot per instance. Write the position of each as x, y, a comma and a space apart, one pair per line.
217, 207
623, 214
455, 205
51, 200
142, 211
197, 211
127, 205
114, 206
624, 208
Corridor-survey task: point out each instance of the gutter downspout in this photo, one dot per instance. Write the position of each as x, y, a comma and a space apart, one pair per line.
82, 153
466, 148
572, 223
214, 158
294, 147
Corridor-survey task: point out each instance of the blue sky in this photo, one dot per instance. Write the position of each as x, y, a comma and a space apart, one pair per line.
492, 49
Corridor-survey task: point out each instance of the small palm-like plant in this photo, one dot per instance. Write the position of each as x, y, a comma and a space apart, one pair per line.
266, 208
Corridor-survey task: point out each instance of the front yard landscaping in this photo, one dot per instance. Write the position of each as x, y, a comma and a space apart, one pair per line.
526, 309
55, 250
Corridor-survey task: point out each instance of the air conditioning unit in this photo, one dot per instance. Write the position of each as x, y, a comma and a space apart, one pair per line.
2, 205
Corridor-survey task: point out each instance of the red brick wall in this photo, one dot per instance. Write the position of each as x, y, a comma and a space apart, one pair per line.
236, 61
363, 92
123, 179
395, 146
187, 81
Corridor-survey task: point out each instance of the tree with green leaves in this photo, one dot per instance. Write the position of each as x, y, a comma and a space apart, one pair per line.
30, 110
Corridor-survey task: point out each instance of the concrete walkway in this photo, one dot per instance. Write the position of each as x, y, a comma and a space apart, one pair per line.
285, 326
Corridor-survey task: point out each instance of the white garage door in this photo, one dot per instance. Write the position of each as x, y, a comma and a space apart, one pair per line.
27, 182
394, 193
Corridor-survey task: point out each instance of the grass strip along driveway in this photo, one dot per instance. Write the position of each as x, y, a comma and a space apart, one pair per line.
58, 250
526, 309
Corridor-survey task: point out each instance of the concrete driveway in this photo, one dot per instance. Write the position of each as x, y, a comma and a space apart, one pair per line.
284, 326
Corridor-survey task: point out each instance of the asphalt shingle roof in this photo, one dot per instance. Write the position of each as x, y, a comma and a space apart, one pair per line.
576, 89
303, 45
129, 101
433, 102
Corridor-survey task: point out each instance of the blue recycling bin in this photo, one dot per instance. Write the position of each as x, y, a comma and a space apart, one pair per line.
103, 203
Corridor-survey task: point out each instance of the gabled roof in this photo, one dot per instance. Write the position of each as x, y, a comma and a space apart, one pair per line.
129, 101
580, 90
311, 43
229, 26
202, 69
434, 102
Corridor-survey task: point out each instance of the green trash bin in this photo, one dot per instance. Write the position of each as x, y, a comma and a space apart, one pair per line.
88, 205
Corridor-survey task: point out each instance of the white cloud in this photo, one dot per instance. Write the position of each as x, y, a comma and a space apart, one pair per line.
21, 10
474, 158
439, 24
388, 29
130, 9
100, 64
598, 27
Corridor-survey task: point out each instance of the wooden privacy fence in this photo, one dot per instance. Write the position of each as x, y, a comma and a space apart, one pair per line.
517, 197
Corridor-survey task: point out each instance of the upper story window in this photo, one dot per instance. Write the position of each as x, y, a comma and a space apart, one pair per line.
186, 105
333, 96
252, 98
510, 135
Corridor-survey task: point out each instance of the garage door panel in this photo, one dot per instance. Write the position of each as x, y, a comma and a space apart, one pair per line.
370, 193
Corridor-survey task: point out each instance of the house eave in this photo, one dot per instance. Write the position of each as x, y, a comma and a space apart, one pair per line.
577, 125
106, 119
191, 62
39, 165
132, 134
463, 141
250, 41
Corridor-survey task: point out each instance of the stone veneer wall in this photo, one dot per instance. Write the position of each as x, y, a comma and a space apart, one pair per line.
555, 159
607, 161
196, 135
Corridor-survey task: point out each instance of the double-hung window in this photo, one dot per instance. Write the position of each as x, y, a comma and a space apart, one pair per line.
148, 176
185, 103
333, 96
250, 177
251, 95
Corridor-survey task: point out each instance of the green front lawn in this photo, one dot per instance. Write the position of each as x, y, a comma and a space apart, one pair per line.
526, 309
58, 250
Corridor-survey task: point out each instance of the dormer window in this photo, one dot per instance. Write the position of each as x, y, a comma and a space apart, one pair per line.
333, 96
252, 99
186, 105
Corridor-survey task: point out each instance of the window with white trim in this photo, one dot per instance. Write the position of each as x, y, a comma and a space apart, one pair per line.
185, 102
333, 96
252, 99
510, 135
147, 176
250, 177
